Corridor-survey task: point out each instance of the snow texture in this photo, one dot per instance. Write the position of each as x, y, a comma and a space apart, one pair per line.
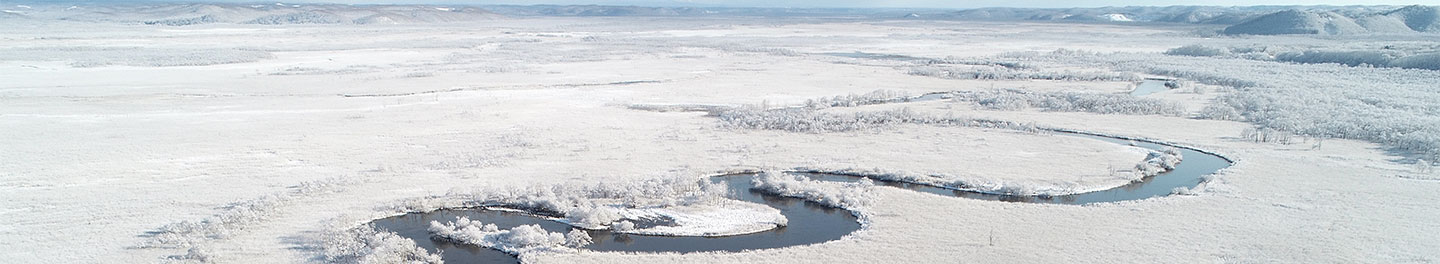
116, 129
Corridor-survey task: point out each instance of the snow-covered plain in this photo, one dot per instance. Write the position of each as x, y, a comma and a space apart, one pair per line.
108, 138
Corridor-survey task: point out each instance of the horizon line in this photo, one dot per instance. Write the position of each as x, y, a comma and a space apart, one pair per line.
415, 3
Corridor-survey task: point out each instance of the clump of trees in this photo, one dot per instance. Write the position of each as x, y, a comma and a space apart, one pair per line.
1010, 99
1396, 107
587, 206
808, 120
1157, 162
1007, 73
849, 195
298, 18
1360, 57
1199, 51
366, 244
517, 240
871, 98
1267, 135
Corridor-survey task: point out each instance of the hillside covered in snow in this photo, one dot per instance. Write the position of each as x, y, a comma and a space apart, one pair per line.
1252, 20
1408, 19
169, 14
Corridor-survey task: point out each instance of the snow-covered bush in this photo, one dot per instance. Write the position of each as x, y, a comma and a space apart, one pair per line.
205, 19
237, 216
592, 216
577, 238
678, 107
849, 196
298, 18
1183, 191
1220, 113
985, 62
1202, 77
1198, 51
1430, 61
365, 244
1005, 73
622, 226
738, 47
1427, 59
532, 236
518, 240
1072, 102
1157, 162
194, 255
1267, 135
811, 121
1347, 58
875, 97
587, 206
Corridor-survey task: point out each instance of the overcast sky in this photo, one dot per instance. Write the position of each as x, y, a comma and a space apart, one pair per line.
874, 3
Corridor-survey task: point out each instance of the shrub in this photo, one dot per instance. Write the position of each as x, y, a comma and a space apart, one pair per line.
366, 244
622, 226
239, 215
849, 196
1198, 51
518, 240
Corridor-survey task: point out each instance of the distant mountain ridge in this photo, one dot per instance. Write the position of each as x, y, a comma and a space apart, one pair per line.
268, 14
1407, 19
1253, 20
1167, 14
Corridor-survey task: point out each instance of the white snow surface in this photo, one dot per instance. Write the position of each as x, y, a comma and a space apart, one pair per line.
101, 153
718, 218
727, 218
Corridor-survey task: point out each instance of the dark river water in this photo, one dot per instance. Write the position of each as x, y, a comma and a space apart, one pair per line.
809, 223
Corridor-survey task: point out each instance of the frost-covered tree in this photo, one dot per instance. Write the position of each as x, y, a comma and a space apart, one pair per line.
811, 121
1198, 51
577, 238
1391, 106
366, 244
517, 240
622, 226
850, 195
1011, 99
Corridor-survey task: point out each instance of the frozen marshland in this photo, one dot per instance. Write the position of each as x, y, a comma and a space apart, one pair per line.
277, 133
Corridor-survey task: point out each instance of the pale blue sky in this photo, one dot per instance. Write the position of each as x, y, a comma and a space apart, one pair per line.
979, 3
867, 3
